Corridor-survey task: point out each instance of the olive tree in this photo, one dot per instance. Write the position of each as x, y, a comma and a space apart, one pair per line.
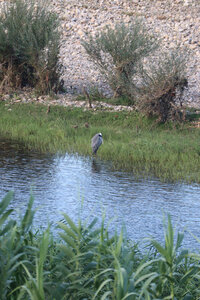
29, 46
118, 51
163, 82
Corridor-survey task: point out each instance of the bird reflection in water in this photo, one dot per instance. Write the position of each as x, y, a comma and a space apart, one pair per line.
96, 166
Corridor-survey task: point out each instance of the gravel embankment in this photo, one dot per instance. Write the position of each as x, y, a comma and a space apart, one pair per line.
176, 21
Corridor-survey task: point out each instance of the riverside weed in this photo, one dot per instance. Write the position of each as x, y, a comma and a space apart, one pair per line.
88, 262
131, 141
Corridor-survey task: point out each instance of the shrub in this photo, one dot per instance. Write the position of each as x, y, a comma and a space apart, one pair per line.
118, 52
29, 46
162, 86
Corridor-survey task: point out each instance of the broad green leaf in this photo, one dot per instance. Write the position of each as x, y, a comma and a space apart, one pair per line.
94, 221
106, 294
5, 202
147, 283
71, 223
67, 230
146, 276
5, 216
105, 282
68, 240
144, 265
66, 250
28, 217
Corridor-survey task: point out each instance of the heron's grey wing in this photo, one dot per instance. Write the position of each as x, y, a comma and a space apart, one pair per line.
94, 139
95, 142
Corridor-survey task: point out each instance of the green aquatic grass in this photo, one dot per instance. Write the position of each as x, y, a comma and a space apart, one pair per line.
88, 262
131, 141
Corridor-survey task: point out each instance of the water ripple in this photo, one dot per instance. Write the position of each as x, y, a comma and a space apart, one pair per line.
65, 183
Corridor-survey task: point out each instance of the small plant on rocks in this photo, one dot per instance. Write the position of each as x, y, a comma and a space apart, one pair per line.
162, 86
29, 46
118, 52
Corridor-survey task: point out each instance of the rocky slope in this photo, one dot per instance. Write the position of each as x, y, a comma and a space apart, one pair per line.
177, 21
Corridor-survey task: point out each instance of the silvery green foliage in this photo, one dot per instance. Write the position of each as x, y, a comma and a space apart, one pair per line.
29, 46
163, 82
118, 51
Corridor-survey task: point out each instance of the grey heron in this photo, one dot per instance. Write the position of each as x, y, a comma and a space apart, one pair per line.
97, 140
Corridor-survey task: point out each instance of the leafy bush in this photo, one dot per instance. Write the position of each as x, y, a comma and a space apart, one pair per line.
16, 240
118, 52
161, 89
154, 80
29, 46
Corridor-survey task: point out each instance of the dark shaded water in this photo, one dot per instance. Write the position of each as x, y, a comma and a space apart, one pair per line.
64, 184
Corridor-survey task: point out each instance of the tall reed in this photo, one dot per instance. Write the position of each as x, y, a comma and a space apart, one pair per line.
87, 262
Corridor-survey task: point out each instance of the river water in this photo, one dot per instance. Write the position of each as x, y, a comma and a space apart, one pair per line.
88, 187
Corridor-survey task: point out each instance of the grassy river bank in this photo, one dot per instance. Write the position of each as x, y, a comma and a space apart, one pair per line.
131, 141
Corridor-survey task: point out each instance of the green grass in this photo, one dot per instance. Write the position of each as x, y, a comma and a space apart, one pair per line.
87, 262
125, 101
131, 141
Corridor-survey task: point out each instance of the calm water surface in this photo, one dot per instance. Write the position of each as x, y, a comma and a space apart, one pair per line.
66, 183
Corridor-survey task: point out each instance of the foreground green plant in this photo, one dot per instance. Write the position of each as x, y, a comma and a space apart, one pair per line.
171, 269
90, 263
34, 287
15, 243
